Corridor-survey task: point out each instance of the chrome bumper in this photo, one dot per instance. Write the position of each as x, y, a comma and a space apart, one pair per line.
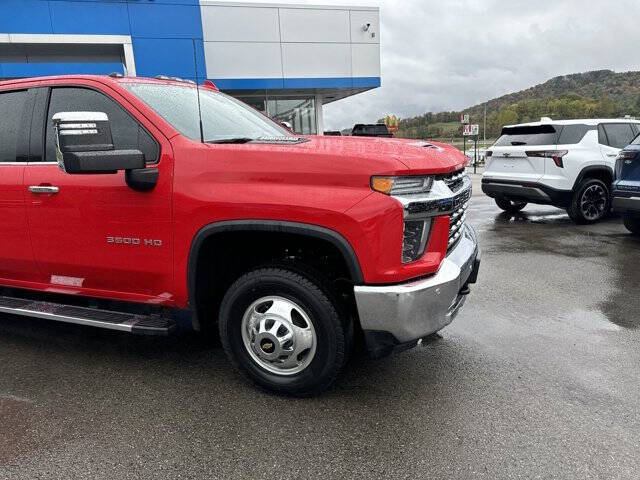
399, 315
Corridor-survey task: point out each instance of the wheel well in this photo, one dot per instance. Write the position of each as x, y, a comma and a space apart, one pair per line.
599, 173
223, 257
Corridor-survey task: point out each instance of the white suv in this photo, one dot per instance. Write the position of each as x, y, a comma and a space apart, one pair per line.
566, 163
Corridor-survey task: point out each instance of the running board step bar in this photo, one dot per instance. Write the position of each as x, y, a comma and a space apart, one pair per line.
125, 322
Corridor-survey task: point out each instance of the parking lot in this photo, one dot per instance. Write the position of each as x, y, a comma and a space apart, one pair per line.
535, 379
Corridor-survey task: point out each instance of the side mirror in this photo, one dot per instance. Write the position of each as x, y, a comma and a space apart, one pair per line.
287, 125
84, 145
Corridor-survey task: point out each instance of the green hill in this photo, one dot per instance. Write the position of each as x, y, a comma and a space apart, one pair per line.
601, 93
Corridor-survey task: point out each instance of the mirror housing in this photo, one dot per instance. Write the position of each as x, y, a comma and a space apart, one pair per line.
84, 144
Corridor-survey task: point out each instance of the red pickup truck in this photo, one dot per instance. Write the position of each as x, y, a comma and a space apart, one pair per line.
135, 204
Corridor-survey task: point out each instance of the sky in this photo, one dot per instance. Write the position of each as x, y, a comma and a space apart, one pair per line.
451, 54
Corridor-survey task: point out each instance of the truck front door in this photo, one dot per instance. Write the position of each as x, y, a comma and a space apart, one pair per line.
91, 233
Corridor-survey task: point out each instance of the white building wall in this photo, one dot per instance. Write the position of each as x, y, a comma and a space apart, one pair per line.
314, 25
282, 41
243, 59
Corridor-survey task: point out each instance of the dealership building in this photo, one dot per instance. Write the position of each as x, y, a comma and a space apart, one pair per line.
285, 60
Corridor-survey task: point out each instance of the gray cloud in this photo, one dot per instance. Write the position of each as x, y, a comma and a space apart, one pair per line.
447, 55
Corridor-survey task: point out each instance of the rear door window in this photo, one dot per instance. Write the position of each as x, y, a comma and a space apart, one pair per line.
528, 135
572, 134
618, 135
11, 108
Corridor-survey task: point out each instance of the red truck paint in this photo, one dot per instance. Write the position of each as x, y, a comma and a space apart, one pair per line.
323, 182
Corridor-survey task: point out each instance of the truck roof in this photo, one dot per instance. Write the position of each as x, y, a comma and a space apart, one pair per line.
100, 78
581, 121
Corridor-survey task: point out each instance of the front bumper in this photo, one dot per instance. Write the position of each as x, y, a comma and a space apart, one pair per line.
398, 316
629, 205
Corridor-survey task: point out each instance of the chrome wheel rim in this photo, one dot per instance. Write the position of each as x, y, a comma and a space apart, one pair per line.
593, 202
279, 335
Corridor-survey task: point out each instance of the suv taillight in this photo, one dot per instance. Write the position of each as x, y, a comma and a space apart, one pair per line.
555, 155
627, 155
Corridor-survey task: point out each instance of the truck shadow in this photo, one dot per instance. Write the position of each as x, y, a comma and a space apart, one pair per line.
45, 351
96, 384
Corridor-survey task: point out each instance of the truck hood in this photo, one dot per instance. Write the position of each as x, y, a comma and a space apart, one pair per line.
401, 155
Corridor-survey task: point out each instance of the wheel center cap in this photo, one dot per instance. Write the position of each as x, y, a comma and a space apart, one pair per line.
267, 345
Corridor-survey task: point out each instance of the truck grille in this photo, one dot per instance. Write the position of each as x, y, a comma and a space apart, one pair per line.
456, 221
453, 180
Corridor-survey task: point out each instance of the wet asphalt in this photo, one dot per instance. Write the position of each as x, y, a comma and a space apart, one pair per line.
536, 378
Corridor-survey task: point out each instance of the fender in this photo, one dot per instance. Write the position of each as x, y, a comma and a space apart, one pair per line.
593, 168
304, 229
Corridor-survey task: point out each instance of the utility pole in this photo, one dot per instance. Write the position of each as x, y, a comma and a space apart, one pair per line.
484, 129
475, 154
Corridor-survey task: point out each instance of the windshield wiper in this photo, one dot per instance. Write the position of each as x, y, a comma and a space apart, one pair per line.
231, 140
515, 144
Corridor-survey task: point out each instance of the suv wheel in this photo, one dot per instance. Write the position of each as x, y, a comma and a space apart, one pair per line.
510, 206
632, 224
590, 202
282, 331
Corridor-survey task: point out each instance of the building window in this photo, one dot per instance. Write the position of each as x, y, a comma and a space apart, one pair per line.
299, 112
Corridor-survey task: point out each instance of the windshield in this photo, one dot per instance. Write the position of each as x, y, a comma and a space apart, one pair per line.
528, 135
223, 118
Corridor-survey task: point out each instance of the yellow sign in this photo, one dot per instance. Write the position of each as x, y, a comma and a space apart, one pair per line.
391, 121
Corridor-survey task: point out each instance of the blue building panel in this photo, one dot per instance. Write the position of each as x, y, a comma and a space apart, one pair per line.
296, 83
25, 16
97, 18
249, 83
172, 57
165, 21
366, 82
139, 2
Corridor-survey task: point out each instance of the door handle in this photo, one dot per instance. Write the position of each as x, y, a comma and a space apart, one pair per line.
43, 189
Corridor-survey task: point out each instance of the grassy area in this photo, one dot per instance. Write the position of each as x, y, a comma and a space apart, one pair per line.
448, 132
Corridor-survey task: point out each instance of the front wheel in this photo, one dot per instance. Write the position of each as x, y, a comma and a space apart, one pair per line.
282, 331
590, 202
632, 224
510, 206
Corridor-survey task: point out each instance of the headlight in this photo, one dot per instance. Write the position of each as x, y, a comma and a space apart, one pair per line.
408, 185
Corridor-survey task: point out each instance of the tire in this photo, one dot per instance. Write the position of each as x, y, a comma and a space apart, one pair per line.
259, 349
510, 206
632, 224
590, 202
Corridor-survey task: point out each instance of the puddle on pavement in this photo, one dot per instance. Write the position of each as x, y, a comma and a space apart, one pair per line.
622, 304
551, 231
553, 218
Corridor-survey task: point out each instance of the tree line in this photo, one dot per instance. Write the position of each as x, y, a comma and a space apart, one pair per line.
564, 107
